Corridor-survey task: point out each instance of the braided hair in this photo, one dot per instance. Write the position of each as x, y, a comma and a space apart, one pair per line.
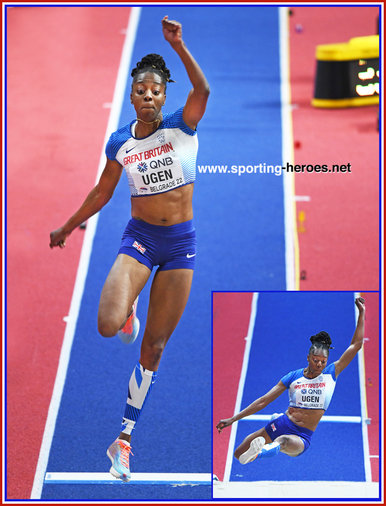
153, 63
320, 342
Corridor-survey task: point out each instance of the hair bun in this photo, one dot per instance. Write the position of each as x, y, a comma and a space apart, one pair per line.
152, 61
322, 338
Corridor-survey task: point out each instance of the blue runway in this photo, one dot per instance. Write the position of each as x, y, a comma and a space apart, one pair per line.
280, 343
240, 227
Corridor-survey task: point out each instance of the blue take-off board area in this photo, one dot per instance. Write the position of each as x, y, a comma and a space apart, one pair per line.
280, 343
240, 229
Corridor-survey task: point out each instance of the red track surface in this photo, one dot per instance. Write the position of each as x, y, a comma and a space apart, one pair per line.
231, 313
339, 247
62, 66
371, 349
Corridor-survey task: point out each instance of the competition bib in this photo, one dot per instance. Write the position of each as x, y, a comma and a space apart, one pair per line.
151, 171
310, 394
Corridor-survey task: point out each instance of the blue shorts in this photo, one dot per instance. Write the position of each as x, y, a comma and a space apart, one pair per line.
283, 425
170, 247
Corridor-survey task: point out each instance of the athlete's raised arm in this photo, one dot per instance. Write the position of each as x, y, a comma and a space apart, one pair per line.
256, 406
196, 102
357, 340
95, 200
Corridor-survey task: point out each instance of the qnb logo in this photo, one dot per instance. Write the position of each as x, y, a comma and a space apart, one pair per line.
142, 167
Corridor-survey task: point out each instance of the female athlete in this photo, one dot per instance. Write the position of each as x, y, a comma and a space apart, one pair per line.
159, 155
310, 391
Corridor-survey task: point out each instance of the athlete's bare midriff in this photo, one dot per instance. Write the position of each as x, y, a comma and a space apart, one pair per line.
308, 418
166, 209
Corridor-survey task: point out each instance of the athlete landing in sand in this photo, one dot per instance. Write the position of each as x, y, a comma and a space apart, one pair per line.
291, 432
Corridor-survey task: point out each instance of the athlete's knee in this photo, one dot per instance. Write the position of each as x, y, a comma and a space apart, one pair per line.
289, 446
284, 441
107, 327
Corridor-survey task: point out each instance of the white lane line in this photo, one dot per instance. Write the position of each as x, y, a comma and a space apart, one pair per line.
285, 491
326, 418
244, 368
119, 91
290, 230
142, 478
362, 389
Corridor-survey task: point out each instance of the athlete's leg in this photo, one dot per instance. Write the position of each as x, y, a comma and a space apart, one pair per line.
168, 297
290, 444
256, 445
247, 441
126, 279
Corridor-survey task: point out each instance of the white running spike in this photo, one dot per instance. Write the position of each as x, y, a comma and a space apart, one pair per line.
253, 450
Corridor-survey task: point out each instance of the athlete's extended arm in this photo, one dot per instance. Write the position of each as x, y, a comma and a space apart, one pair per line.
357, 340
95, 200
256, 405
196, 102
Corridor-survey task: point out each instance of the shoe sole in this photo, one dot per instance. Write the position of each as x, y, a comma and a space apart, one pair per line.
115, 473
118, 476
253, 451
132, 337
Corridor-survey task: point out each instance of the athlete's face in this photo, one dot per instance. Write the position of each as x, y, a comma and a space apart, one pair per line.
148, 96
317, 363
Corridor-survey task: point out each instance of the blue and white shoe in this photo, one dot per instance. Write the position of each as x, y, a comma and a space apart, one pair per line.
119, 453
253, 451
129, 332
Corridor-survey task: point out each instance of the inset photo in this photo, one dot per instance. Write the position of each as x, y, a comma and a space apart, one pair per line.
296, 398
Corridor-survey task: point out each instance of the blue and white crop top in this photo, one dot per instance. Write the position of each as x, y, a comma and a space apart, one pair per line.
308, 393
160, 162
